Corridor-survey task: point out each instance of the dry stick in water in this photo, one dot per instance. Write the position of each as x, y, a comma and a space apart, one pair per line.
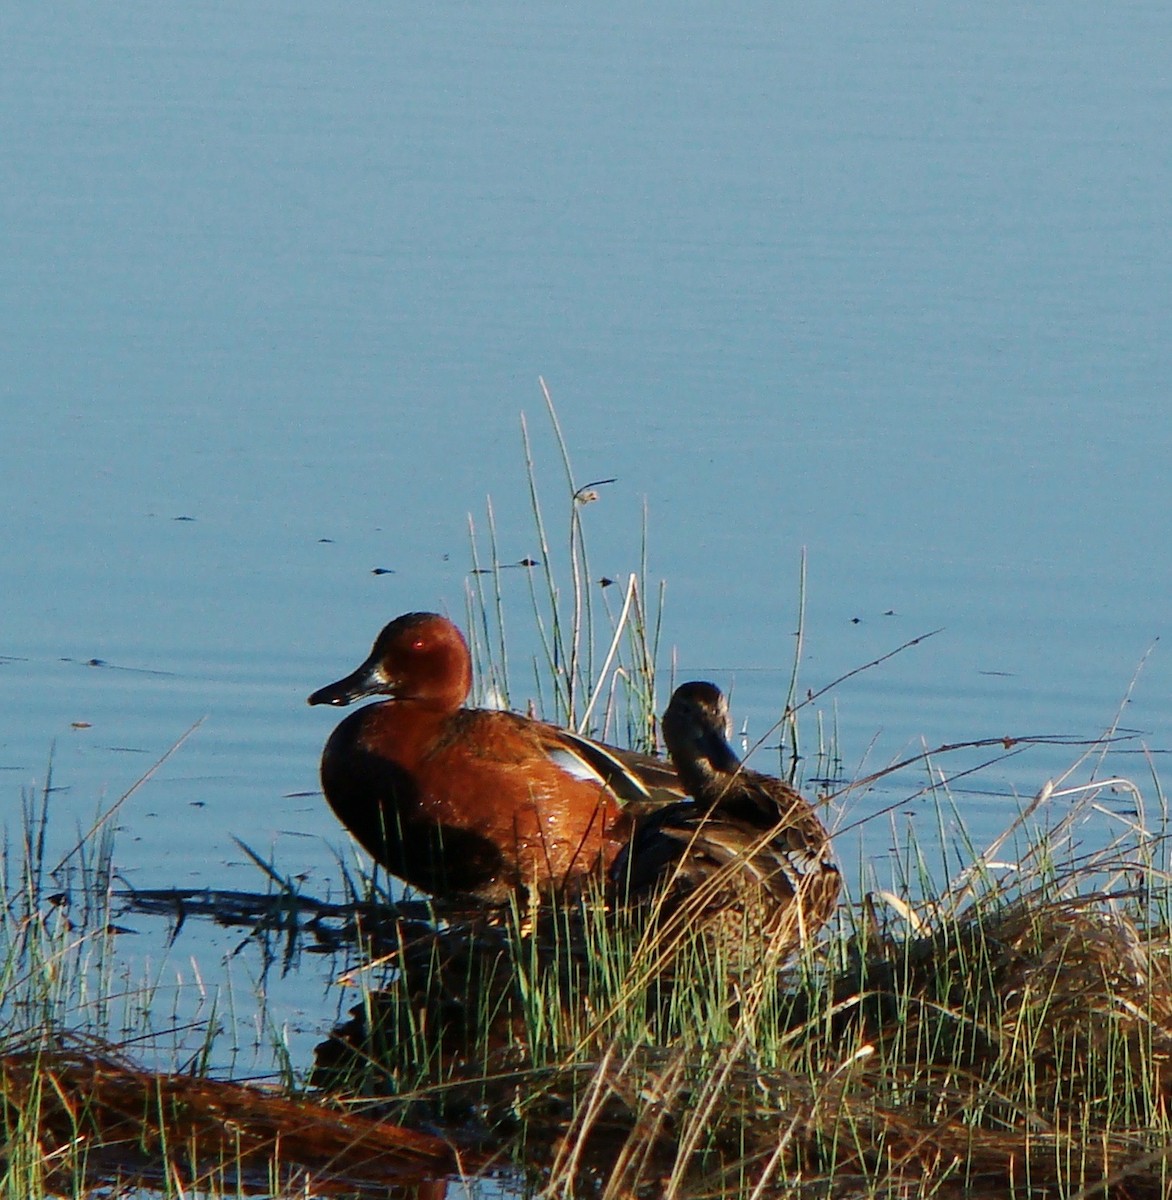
632, 586
82, 1097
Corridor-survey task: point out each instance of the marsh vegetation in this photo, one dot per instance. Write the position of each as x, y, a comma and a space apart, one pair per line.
999, 1024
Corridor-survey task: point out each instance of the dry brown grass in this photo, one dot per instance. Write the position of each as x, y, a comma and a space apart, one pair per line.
97, 1118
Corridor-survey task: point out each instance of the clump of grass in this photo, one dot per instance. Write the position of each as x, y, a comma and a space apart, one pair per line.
55, 924
78, 1116
999, 1037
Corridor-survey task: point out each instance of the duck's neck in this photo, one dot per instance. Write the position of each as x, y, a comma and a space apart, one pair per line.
707, 773
408, 730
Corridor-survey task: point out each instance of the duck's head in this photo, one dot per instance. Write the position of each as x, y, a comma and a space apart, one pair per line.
418, 656
697, 726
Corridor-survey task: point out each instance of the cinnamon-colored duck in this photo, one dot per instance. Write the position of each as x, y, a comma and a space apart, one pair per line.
472, 802
747, 855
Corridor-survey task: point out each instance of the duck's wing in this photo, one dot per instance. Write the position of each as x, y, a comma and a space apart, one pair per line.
768, 803
731, 853
631, 777
691, 846
657, 775
655, 850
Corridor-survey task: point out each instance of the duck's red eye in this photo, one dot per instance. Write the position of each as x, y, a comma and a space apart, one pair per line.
419, 644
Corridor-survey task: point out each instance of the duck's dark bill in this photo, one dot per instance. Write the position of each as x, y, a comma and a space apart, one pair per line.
366, 681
